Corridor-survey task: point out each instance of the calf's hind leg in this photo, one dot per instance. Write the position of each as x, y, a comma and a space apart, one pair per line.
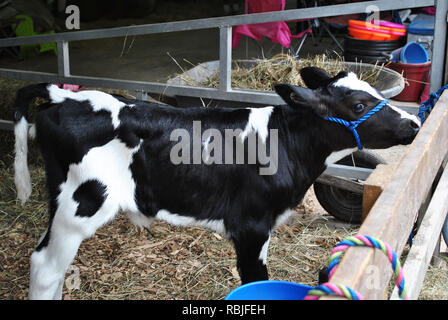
50, 262
77, 219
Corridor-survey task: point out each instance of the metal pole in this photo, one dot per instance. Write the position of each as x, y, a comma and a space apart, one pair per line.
314, 12
225, 58
439, 45
63, 59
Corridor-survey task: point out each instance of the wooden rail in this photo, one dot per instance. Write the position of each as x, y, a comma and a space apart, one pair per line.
426, 240
393, 215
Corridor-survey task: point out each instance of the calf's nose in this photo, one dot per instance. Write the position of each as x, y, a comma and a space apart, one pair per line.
408, 129
414, 125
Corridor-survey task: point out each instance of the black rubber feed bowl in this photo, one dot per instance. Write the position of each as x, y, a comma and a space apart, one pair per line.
373, 44
342, 204
369, 51
365, 58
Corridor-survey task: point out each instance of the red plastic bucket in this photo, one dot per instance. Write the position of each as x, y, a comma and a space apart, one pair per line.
416, 75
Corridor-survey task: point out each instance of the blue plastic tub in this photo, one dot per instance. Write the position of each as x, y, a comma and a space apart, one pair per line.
422, 30
423, 24
412, 52
269, 290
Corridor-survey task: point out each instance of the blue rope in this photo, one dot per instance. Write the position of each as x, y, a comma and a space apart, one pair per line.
352, 125
429, 104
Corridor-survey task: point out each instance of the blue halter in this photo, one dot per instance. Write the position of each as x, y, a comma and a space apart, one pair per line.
352, 125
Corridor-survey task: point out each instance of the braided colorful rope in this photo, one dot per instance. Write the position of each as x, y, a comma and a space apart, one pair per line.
328, 288
344, 291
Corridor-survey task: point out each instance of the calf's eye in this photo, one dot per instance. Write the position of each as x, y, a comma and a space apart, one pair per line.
359, 108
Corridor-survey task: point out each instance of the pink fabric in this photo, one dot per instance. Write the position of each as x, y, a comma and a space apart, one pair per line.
429, 10
71, 87
277, 31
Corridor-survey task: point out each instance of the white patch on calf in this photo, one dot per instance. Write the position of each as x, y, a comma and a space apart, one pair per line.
97, 99
263, 257
140, 220
32, 132
48, 266
405, 115
21, 173
205, 151
108, 164
179, 220
282, 218
352, 82
258, 122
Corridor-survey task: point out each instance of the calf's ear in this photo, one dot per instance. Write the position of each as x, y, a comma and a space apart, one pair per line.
314, 77
304, 98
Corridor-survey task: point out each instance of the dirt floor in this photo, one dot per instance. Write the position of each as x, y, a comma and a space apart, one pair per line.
122, 262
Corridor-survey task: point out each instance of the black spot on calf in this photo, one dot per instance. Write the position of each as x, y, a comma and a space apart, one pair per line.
90, 195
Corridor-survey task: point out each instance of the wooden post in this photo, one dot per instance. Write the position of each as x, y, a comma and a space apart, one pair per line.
374, 186
446, 62
446, 66
393, 214
426, 240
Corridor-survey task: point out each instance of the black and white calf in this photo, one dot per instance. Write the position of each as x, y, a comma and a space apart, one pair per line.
105, 154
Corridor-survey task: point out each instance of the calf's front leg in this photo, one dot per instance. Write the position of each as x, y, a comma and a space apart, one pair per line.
251, 250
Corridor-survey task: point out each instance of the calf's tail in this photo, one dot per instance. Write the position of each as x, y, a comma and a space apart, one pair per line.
21, 172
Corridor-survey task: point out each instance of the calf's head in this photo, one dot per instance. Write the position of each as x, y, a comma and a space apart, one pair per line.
346, 97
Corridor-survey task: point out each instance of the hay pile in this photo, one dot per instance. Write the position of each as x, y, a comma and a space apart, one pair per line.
281, 68
122, 262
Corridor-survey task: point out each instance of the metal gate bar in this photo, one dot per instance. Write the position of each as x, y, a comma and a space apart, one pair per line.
224, 92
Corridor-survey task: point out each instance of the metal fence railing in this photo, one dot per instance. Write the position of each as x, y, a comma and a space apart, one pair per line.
225, 24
